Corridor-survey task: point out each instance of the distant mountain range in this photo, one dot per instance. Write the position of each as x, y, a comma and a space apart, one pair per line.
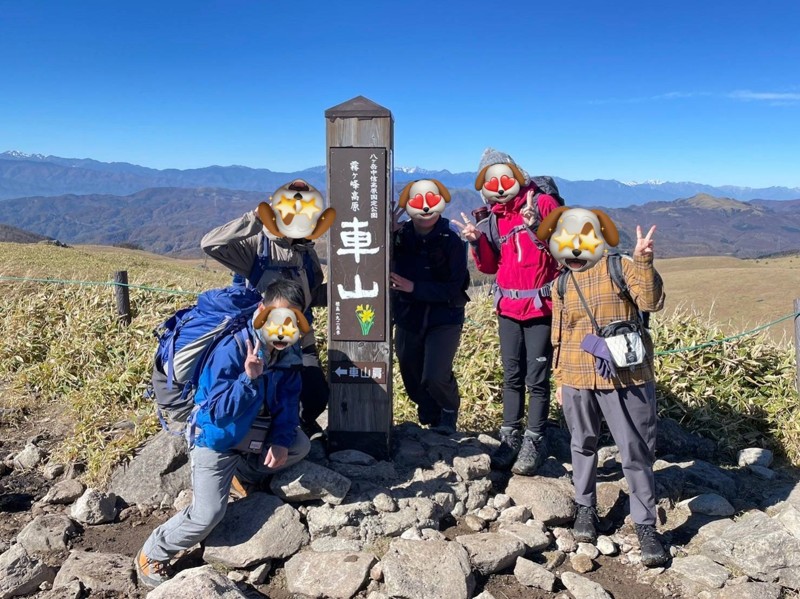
82, 201
26, 175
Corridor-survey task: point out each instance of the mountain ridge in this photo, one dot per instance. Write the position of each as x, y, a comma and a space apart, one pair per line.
26, 175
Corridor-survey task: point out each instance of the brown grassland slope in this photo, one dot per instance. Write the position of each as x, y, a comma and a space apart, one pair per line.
738, 295
62, 348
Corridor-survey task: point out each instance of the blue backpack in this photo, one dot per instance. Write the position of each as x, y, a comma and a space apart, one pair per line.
187, 338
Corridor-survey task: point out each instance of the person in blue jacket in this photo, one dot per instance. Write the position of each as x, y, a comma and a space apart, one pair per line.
429, 278
246, 422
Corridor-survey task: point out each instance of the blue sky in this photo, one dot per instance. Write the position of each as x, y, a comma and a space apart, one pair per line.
629, 90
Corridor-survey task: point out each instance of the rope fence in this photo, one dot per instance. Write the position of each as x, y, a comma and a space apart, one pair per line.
704, 345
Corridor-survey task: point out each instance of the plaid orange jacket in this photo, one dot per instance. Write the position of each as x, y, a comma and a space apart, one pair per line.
571, 365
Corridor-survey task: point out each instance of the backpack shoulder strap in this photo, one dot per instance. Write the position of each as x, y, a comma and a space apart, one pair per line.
618, 276
561, 286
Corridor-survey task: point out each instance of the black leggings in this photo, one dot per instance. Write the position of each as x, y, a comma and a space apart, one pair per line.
527, 355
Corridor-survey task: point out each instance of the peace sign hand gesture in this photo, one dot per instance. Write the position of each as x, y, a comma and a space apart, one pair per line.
253, 364
468, 230
528, 212
644, 245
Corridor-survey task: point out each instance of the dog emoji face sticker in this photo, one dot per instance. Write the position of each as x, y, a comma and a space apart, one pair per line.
424, 200
499, 183
280, 327
577, 237
295, 211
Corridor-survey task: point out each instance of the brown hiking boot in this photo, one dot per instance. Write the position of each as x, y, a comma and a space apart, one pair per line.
238, 490
150, 572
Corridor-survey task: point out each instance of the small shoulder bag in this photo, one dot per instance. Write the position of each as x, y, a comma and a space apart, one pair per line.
623, 337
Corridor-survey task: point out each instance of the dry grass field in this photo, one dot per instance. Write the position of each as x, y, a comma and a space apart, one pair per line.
738, 295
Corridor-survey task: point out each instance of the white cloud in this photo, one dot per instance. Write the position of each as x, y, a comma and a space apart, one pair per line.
773, 97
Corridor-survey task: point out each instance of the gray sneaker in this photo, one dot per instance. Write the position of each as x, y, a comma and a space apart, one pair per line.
531, 455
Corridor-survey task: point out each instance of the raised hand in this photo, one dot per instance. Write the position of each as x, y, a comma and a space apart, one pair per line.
528, 212
644, 245
397, 213
468, 230
253, 364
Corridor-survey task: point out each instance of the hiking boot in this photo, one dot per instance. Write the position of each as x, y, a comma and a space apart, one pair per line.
238, 489
150, 572
447, 423
510, 444
531, 455
653, 552
584, 529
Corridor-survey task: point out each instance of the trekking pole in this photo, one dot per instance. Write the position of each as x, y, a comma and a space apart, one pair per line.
122, 296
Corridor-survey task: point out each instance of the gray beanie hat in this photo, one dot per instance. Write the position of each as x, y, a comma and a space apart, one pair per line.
492, 156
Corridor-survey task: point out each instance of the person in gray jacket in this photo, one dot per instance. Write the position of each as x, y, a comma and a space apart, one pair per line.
276, 241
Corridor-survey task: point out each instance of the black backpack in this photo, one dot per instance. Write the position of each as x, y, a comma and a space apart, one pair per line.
617, 277
544, 185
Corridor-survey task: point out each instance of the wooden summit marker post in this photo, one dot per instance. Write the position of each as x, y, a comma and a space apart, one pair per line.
360, 143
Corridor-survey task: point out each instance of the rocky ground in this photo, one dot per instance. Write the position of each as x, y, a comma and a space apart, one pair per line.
435, 522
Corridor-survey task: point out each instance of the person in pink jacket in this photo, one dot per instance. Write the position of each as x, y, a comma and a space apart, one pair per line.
504, 243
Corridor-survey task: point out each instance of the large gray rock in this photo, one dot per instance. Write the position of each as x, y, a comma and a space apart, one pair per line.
583, 588
533, 575
491, 552
473, 466
709, 504
673, 439
760, 547
64, 491
198, 583
306, 481
94, 507
534, 536
704, 476
156, 474
755, 456
430, 569
110, 573
47, 533
333, 575
697, 573
550, 500
748, 590
30, 457
254, 529
21, 573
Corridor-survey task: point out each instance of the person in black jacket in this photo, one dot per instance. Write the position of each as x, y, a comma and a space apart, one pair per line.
429, 278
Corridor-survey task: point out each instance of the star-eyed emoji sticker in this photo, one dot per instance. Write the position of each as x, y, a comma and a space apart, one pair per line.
280, 327
295, 211
582, 236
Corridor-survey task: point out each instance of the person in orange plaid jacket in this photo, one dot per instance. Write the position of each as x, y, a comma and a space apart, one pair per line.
589, 385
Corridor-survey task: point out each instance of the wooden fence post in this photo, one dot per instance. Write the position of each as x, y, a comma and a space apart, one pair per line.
122, 296
360, 142
797, 341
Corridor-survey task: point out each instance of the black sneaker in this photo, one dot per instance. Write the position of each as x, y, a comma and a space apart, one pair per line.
585, 528
510, 444
312, 429
531, 456
447, 423
653, 553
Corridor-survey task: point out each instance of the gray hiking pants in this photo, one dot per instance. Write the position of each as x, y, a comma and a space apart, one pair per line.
631, 417
212, 472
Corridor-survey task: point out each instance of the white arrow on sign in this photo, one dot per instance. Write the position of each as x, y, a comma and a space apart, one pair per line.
340, 371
